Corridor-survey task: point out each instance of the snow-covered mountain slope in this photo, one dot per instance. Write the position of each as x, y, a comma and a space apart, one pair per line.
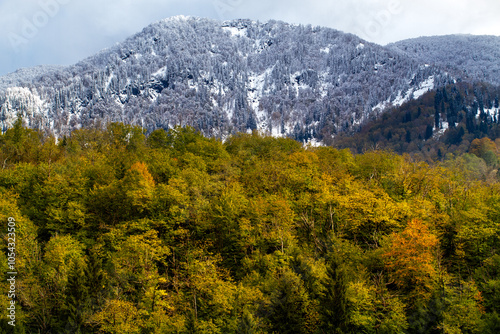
26, 75
472, 58
221, 77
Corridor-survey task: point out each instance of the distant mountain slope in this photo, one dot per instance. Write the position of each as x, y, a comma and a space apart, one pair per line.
446, 120
26, 75
221, 77
475, 58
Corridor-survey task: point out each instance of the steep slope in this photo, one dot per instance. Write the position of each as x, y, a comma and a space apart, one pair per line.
446, 120
220, 77
474, 58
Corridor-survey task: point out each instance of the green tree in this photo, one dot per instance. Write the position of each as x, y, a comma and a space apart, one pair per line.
334, 302
290, 310
77, 300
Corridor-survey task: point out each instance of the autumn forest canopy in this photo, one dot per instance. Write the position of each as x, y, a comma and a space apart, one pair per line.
173, 232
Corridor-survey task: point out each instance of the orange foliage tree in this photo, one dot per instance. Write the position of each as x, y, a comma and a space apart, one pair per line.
411, 256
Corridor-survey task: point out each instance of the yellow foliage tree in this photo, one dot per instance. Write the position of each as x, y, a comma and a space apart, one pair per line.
486, 149
139, 185
118, 316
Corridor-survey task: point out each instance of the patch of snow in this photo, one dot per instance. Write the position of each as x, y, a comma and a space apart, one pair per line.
276, 132
360, 46
122, 98
106, 87
153, 94
313, 142
160, 73
382, 105
254, 93
325, 50
424, 87
490, 112
439, 132
236, 32
178, 18
400, 99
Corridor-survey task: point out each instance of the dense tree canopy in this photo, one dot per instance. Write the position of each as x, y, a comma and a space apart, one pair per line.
173, 232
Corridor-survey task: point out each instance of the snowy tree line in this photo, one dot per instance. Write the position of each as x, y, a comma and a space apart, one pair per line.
222, 77
473, 58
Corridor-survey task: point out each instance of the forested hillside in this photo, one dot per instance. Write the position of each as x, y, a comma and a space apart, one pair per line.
222, 77
445, 120
307, 83
473, 58
178, 233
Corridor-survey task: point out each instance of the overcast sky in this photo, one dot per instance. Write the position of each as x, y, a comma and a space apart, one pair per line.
62, 32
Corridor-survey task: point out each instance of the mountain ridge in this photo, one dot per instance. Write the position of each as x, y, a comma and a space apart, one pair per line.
305, 82
477, 54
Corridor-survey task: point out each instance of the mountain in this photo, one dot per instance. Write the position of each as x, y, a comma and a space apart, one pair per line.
223, 77
444, 120
472, 58
24, 75
309, 83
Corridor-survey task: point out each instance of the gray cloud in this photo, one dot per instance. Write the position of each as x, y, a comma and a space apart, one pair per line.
65, 31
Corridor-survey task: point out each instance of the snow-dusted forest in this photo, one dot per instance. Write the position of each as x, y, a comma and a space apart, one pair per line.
305, 82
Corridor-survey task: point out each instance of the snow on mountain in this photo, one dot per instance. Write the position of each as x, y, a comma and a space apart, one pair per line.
221, 77
424, 87
25, 75
21, 98
469, 57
